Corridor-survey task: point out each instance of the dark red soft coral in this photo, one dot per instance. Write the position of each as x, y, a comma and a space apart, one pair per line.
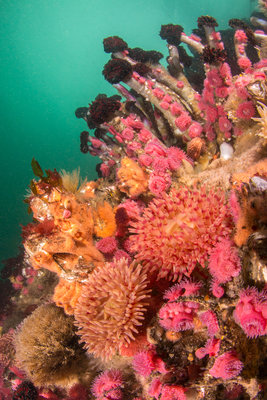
107, 245
78, 392
211, 55
117, 70
143, 56
103, 108
206, 20
171, 33
25, 391
133, 208
43, 228
114, 44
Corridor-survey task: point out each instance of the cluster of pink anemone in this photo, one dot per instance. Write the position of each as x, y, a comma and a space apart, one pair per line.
251, 312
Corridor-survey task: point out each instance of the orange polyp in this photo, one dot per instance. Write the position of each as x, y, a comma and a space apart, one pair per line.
132, 179
104, 220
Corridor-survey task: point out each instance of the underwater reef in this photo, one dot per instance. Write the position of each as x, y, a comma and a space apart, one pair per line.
150, 283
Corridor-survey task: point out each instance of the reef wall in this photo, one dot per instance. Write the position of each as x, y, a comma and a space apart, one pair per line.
150, 282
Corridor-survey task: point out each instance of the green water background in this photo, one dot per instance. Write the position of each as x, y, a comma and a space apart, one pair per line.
51, 59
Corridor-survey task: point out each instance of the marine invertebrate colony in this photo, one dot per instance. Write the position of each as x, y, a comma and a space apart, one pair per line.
108, 385
250, 312
180, 197
47, 348
179, 230
111, 307
226, 366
